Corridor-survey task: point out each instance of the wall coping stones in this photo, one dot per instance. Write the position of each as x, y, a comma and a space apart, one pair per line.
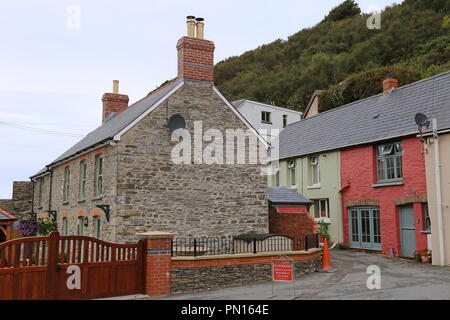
248, 255
156, 235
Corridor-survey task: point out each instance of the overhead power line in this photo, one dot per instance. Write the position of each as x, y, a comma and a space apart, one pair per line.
42, 131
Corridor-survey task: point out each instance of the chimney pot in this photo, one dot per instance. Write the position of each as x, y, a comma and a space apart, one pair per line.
390, 83
116, 86
200, 26
190, 26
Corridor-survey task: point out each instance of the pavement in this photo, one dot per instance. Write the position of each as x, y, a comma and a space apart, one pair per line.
400, 280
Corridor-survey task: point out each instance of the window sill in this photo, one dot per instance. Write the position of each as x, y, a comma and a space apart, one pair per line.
425, 232
314, 186
98, 198
326, 220
66, 203
293, 187
263, 122
388, 184
82, 201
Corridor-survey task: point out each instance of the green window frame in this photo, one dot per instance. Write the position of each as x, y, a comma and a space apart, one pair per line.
83, 180
66, 190
390, 162
99, 183
81, 228
65, 226
97, 227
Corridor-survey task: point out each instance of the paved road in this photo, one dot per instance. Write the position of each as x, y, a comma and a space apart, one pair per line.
400, 279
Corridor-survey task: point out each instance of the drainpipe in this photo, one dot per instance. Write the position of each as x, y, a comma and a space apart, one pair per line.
437, 166
50, 192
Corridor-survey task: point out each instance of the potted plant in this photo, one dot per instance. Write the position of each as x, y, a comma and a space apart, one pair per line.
46, 226
424, 256
28, 227
322, 231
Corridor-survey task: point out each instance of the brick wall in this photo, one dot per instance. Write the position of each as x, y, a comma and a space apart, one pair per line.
195, 59
290, 221
190, 274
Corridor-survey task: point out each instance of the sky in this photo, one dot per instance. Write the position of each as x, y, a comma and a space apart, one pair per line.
58, 57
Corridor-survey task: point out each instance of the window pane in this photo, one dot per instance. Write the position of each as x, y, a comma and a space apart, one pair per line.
376, 226
365, 225
293, 182
355, 227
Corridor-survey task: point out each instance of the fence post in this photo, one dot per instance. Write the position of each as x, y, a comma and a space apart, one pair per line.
255, 251
195, 247
306, 243
52, 264
158, 262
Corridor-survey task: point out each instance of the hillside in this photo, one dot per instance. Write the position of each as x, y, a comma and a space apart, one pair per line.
342, 56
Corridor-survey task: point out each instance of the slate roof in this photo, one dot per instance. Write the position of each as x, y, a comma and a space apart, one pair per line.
285, 195
373, 119
112, 127
6, 216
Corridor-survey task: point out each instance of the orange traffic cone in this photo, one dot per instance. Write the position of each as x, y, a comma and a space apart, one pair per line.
326, 258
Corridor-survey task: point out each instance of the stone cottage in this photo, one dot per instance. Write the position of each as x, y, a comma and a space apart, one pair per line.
121, 179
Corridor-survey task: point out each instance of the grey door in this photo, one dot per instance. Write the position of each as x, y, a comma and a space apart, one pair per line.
407, 232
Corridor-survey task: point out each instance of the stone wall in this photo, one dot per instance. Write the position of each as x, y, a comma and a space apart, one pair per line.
190, 199
194, 274
20, 204
75, 207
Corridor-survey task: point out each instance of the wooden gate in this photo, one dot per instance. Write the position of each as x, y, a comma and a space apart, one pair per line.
36, 268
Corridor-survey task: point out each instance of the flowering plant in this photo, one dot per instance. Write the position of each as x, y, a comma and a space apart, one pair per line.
27, 228
46, 226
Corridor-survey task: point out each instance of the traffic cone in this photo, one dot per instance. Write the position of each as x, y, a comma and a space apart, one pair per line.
326, 259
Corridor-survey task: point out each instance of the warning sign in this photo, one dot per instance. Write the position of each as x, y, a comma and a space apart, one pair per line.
283, 272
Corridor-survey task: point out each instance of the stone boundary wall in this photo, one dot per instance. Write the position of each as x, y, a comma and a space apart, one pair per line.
204, 273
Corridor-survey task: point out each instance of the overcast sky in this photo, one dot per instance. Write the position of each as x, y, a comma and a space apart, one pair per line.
53, 73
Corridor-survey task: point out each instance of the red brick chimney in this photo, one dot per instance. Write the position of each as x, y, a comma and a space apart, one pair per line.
390, 83
195, 54
114, 102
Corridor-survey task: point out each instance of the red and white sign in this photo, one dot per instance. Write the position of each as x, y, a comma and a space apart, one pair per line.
283, 272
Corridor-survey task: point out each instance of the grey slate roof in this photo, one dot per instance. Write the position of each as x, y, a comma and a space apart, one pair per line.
112, 127
376, 118
285, 195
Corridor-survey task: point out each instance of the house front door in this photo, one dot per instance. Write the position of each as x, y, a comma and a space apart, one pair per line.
364, 226
407, 232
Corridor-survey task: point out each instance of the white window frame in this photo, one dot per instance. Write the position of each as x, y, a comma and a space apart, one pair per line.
317, 208
83, 180
315, 171
292, 166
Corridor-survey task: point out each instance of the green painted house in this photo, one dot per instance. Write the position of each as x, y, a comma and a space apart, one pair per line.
316, 177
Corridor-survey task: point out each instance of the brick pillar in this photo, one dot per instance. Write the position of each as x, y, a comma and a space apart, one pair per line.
158, 262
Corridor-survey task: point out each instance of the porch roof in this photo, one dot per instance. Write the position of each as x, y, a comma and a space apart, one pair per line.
6, 216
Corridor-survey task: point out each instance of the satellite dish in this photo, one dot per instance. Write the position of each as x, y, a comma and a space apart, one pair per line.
176, 122
422, 120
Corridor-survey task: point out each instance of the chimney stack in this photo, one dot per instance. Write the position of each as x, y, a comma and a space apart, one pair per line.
390, 83
195, 54
114, 102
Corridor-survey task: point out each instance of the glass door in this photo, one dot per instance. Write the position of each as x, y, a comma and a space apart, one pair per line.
365, 230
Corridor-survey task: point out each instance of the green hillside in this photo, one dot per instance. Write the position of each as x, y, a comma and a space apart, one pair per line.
342, 56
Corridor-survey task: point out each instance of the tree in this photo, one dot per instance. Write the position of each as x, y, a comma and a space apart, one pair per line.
346, 9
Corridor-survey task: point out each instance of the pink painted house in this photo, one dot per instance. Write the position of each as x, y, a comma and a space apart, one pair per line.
384, 197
